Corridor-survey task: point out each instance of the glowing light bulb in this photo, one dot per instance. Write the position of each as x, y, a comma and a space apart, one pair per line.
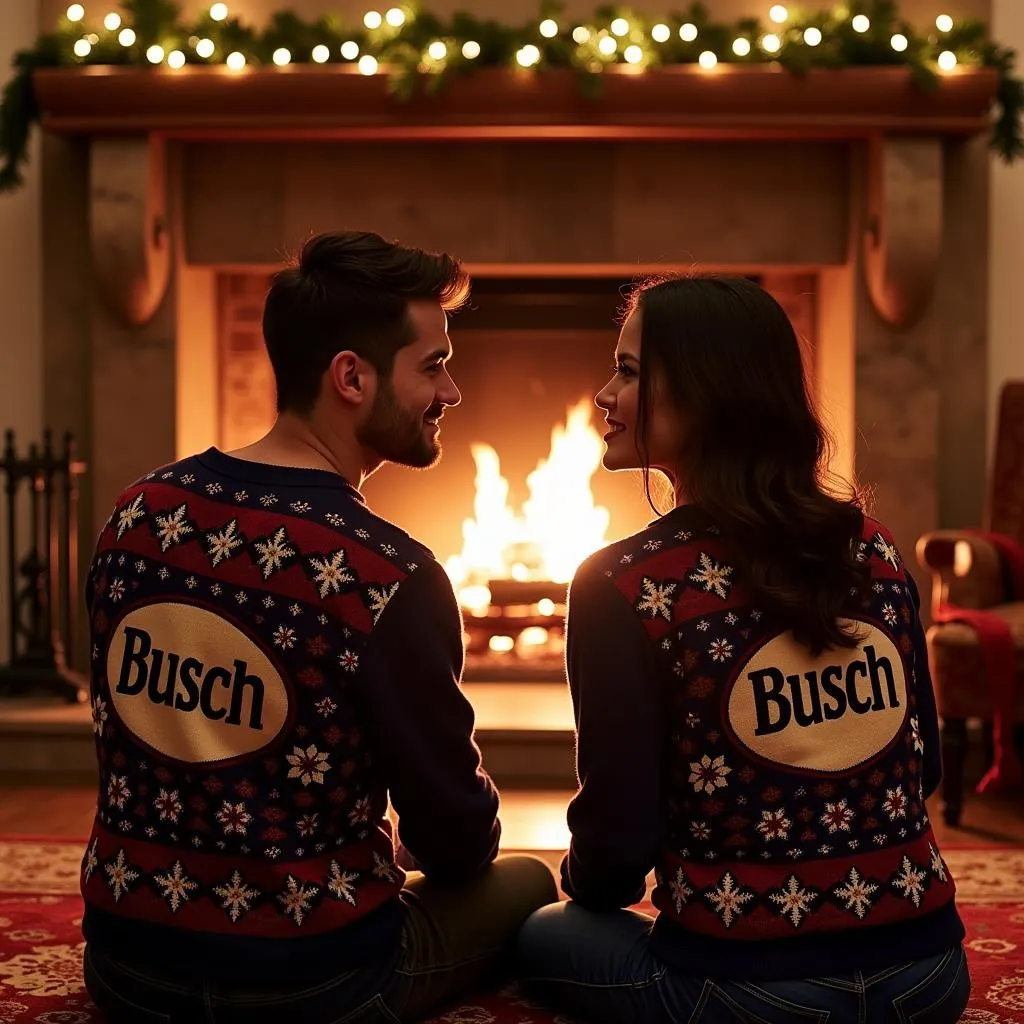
707, 60
82, 47
155, 54
688, 32
812, 36
899, 42
501, 644
235, 60
205, 48
395, 17
947, 60
771, 43
76, 12
437, 50
368, 65
581, 34
112, 21
350, 50
944, 23
778, 14
661, 33
219, 12
549, 28
281, 56
533, 636
471, 49
528, 56
619, 27
372, 19
861, 23
321, 54
126, 37
741, 46
545, 606
175, 59
633, 54
607, 45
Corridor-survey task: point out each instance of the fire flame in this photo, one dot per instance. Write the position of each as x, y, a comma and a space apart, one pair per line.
559, 526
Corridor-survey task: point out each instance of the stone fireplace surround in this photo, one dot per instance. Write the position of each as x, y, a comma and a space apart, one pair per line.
890, 221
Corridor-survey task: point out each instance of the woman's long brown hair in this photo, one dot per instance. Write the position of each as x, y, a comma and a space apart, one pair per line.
754, 452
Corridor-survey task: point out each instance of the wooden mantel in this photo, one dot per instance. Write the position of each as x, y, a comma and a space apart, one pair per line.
730, 101
130, 113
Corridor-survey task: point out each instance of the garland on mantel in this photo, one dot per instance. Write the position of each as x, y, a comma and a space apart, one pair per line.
415, 48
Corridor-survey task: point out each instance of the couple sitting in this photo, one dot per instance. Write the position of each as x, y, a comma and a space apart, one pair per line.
272, 662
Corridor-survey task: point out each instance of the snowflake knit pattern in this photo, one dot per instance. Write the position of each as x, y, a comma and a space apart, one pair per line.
795, 798
237, 793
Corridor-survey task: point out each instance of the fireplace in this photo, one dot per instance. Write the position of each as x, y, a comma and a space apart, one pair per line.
862, 208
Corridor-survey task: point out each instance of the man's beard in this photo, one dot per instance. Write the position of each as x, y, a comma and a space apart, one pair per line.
396, 434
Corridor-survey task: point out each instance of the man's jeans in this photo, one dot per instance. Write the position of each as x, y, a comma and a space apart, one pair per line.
598, 967
454, 938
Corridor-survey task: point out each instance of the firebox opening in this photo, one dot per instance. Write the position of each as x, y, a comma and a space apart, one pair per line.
519, 498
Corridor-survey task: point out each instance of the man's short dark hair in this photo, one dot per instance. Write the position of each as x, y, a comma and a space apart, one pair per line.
349, 290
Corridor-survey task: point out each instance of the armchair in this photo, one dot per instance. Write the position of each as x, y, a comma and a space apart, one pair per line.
977, 660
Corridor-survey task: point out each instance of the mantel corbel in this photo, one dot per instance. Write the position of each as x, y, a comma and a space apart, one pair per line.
131, 244
903, 231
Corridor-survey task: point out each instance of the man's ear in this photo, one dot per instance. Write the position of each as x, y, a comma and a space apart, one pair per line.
350, 376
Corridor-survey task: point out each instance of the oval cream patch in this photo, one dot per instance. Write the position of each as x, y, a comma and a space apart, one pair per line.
191, 685
829, 713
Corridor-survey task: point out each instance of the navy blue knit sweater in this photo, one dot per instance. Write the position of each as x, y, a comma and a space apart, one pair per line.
779, 796
269, 660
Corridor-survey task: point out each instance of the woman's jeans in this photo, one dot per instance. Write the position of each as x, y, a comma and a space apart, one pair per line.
598, 967
454, 938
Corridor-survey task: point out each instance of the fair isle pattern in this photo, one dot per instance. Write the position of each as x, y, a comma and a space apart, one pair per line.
214, 894
817, 896
755, 850
990, 875
290, 839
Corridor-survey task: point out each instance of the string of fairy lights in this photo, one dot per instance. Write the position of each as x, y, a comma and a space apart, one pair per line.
413, 49
620, 41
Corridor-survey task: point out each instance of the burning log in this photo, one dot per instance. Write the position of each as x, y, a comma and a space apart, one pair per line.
520, 635
508, 593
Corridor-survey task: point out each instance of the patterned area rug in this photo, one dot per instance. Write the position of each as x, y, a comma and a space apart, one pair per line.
41, 948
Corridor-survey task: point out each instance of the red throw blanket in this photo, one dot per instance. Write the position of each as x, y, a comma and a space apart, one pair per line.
999, 653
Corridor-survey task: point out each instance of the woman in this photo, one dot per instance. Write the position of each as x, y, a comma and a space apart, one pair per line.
755, 715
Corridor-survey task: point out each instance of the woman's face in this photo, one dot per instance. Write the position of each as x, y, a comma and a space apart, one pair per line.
619, 400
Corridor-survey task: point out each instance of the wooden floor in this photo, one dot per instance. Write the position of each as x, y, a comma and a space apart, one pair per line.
532, 820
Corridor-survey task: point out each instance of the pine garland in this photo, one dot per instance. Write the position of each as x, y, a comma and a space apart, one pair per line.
417, 49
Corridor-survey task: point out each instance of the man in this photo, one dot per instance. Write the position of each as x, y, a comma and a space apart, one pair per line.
271, 660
